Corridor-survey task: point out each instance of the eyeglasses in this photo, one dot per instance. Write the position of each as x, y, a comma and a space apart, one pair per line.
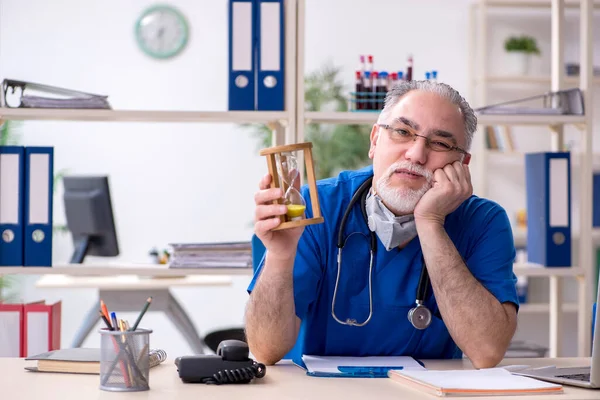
404, 136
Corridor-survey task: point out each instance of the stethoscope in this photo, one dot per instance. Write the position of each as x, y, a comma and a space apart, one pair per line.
419, 316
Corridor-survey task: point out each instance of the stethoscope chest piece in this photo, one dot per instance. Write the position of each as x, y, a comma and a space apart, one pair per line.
419, 316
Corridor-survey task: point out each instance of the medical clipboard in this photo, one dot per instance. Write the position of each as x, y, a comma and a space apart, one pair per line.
23, 94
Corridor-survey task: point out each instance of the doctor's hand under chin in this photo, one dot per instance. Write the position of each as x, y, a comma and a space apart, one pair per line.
451, 186
280, 244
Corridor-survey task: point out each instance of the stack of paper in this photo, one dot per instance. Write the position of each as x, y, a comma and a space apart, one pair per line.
211, 255
488, 382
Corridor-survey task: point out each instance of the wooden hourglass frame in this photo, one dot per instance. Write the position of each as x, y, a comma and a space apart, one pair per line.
278, 154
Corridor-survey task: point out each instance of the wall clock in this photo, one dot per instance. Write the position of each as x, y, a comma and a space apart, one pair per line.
161, 31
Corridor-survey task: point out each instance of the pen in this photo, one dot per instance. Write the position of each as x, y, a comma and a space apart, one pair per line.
115, 324
367, 372
139, 318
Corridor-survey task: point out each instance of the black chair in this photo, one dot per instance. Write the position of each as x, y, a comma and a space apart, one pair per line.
213, 339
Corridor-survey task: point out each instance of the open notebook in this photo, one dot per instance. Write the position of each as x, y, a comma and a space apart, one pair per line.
79, 360
482, 382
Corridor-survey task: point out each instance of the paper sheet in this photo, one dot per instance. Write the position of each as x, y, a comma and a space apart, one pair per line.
331, 364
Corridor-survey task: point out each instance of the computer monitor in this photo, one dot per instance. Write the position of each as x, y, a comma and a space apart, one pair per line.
90, 218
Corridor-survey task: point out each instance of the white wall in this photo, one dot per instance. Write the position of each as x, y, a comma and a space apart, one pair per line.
195, 182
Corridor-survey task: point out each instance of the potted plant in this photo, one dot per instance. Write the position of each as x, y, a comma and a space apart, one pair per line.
519, 50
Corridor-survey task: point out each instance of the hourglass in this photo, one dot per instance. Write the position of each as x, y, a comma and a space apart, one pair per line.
283, 167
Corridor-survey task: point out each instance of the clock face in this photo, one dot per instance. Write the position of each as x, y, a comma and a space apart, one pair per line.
161, 32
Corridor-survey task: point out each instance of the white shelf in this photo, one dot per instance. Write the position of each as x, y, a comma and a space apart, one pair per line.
540, 308
539, 270
494, 119
359, 117
488, 119
532, 3
122, 269
519, 80
141, 115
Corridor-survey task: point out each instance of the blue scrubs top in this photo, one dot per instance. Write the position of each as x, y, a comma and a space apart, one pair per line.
480, 230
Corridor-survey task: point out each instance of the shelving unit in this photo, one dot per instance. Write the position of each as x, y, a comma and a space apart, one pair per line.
267, 117
556, 81
555, 122
288, 127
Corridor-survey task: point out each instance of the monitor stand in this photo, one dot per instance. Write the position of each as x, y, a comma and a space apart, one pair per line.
81, 248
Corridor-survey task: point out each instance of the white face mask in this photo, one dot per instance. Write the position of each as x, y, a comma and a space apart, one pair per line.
391, 230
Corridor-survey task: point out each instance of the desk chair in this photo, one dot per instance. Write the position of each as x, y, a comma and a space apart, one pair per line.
213, 339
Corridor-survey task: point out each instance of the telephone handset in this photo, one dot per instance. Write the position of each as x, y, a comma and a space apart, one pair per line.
230, 365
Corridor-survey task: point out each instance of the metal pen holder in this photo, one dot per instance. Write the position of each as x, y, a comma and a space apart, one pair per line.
125, 360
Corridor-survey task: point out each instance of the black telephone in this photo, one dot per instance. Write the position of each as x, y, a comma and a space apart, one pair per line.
230, 365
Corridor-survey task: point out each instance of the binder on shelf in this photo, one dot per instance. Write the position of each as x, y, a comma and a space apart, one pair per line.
270, 82
12, 172
548, 190
242, 55
596, 201
39, 177
11, 330
41, 327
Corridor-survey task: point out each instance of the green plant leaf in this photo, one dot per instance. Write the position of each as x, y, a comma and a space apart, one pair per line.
523, 43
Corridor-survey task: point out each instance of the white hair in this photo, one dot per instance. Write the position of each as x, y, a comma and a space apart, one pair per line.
442, 89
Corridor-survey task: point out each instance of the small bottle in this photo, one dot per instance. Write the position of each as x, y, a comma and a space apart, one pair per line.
393, 80
428, 76
358, 97
361, 65
370, 63
434, 76
409, 68
373, 97
382, 88
366, 91
400, 76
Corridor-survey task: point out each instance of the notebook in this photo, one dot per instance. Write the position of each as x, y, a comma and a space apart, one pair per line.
481, 382
79, 360
372, 366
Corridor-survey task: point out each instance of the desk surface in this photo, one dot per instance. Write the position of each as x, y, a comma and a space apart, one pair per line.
282, 381
130, 282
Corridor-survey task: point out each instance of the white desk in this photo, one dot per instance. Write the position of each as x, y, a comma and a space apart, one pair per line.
282, 381
125, 288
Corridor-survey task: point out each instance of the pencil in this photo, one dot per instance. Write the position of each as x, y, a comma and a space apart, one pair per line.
104, 310
106, 322
139, 318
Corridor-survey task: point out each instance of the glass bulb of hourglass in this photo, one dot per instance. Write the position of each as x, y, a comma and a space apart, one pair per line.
288, 171
295, 203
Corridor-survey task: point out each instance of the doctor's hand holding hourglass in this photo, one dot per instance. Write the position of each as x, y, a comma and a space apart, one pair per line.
279, 243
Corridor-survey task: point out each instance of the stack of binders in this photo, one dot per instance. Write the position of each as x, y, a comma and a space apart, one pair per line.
26, 186
29, 329
256, 55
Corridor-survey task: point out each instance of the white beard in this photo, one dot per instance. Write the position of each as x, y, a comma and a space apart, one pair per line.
403, 200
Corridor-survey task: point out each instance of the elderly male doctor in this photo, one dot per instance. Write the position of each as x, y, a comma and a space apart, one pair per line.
416, 199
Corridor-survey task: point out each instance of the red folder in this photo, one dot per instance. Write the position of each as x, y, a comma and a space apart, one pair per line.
11, 330
41, 328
